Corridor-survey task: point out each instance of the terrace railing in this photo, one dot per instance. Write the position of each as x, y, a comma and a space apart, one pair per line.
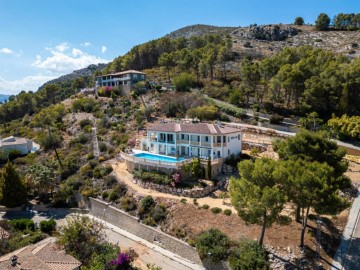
159, 163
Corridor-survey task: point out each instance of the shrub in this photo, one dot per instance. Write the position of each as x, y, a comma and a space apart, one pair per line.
85, 122
183, 200
146, 205
247, 44
14, 154
113, 196
105, 195
227, 212
149, 221
206, 206
128, 203
184, 82
216, 210
159, 213
47, 226
276, 119
212, 244
249, 254
23, 224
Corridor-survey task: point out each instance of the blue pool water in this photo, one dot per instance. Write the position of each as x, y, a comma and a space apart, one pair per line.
157, 157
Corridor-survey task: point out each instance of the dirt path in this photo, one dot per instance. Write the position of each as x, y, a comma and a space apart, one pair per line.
127, 178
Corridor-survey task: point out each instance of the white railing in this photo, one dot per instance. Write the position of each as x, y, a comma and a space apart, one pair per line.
160, 163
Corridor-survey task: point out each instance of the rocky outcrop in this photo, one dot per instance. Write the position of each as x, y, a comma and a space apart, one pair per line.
267, 32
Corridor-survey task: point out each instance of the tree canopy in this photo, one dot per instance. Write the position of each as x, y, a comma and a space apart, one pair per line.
12, 189
255, 195
322, 22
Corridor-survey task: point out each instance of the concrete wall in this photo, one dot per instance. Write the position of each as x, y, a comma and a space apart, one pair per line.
129, 223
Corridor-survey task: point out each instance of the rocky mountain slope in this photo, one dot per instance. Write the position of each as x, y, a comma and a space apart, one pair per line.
265, 40
262, 41
200, 30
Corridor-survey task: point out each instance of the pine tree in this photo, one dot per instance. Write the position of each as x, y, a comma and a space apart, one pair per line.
12, 189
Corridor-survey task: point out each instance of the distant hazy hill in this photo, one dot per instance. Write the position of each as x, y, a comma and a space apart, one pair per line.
3, 98
88, 71
200, 30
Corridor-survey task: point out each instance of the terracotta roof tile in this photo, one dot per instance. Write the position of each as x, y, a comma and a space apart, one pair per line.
199, 128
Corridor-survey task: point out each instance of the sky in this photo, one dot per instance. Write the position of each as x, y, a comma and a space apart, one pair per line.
43, 39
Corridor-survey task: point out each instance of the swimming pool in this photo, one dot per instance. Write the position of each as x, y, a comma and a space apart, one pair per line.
158, 157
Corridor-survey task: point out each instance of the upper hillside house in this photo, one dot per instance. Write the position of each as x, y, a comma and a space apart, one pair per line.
129, 77
193, 140
44, 255
25, 146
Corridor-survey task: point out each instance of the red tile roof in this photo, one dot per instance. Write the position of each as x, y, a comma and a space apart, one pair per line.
44, 255
198, 128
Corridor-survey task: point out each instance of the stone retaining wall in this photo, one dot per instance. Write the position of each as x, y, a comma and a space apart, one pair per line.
129, 223
191, 193
249, 146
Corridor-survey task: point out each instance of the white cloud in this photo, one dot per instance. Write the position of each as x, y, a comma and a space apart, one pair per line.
61, 62
6, 51
103, 49
62, 47
85, 44
76, 52
30, 83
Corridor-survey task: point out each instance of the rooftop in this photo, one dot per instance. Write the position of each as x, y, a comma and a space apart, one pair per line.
44, 255
124, 73
199, 128
13, 141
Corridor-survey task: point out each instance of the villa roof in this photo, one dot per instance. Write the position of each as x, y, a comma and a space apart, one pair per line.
13, 141
199, 128
44, 255
123, 73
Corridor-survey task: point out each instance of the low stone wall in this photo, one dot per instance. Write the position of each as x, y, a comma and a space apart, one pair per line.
129, 223
249, 146
191, 193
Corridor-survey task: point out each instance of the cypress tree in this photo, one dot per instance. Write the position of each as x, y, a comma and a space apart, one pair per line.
12, 189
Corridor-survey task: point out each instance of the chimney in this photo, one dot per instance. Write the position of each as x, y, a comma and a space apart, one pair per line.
14, 260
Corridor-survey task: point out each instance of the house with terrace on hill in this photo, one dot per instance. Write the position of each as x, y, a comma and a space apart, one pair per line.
129, 77
170, 146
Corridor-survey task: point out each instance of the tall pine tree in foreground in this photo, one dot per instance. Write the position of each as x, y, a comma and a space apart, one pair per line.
12, 189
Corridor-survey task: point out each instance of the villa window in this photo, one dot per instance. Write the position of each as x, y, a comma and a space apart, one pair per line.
182, 136
228, 139
239, 137
228, 151
206, 138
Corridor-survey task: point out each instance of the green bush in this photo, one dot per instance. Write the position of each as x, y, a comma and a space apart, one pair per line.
159, 213
249, 254
14, 154
128, 203
276, 119
85, 122
153, 176
206, 206
183, 200
23, 224
213, 244
47, 226
146, 205
216, 210
105, 195
227, 212
113, 196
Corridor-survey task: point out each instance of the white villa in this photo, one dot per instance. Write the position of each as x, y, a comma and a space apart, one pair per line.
25, 146
193, 140
170, 146
128, 77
